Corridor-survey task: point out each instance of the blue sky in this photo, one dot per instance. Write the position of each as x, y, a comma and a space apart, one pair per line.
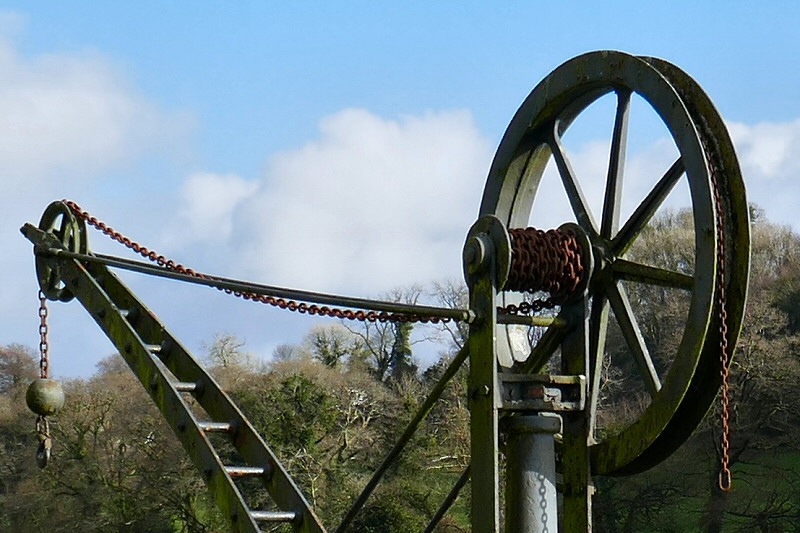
338, 147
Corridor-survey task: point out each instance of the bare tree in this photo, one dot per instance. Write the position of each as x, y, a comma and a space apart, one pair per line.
388, 345
18, 367
285, 352
454, 295
226, 351
112, 364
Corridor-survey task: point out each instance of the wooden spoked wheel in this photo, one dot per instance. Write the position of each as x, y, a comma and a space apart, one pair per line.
680, 391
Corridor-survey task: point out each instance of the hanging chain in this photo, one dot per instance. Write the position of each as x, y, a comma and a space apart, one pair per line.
44, 347
725, 481
42, 425
281, 303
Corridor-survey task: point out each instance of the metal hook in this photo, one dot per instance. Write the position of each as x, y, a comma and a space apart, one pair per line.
725, 482
44, 451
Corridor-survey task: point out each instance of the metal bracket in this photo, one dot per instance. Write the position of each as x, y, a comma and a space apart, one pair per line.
542, 392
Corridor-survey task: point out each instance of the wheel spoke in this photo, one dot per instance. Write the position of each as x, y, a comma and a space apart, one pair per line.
647, 208
63, 228
616, 165
630, 271
598, 325
544, 350
576, 198
633, 336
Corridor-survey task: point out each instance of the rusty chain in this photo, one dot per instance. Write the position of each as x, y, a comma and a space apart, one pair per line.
42, 426
281, 303
543, 261
725, 481
44, 346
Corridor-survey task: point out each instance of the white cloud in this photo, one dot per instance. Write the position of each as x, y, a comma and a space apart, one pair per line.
374, 203
770, 150
66, 119
209, 203
370, 205
769, 154
71, 115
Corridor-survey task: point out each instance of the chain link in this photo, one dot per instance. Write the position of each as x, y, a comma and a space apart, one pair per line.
281, 303
42, 427
526, 308
725, 482
44, 346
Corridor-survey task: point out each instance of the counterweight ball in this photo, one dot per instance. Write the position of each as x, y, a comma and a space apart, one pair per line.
45, 396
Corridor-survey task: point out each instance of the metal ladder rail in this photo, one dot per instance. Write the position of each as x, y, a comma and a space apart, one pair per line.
149, 349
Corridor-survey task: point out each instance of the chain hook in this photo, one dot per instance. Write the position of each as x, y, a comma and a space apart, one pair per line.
725, 482
44, 450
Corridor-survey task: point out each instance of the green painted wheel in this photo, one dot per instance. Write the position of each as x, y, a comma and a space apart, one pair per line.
59, 220
679, 389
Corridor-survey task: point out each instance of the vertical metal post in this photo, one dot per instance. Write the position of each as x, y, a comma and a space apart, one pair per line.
531, 504
575, 460
483, 405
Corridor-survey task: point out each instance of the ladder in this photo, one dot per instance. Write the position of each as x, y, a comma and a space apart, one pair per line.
191, 401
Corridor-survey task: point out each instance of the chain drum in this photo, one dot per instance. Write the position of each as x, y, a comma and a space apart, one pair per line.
546, 261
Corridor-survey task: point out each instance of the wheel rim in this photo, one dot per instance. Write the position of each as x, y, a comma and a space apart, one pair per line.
59, 220
707, 379
533, 137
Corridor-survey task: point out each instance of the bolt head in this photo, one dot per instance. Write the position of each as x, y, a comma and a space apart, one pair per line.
475, 254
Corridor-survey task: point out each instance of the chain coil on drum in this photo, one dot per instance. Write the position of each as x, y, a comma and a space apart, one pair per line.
544, 261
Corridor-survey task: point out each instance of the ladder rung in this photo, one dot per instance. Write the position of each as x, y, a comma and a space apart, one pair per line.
186, 386
273, 516
214, 426
183, 391
241, 471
